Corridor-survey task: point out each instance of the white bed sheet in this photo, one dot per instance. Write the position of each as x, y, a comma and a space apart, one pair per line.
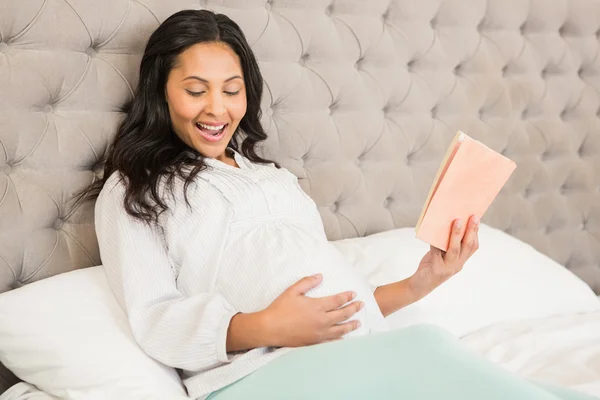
562, 350
25, 391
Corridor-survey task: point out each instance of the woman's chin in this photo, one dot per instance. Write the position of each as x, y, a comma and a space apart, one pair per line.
212, 150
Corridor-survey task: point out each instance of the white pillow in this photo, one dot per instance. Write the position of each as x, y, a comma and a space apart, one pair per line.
68, 336
25, 391
505, 279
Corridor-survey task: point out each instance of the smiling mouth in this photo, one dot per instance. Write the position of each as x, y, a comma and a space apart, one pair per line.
212, 133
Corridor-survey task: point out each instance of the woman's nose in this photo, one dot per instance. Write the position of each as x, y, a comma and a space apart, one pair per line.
216, 105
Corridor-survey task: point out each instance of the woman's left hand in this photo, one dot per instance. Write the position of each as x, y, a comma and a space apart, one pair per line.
437, 266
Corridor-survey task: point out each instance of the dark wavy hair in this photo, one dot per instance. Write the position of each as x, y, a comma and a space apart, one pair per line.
146, 149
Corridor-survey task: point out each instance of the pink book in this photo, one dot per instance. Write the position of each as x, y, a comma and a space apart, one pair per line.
468, 180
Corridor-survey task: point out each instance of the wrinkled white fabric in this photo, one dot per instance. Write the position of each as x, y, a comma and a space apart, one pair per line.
561, 350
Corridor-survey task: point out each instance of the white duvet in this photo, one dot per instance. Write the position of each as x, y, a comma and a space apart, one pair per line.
561, 350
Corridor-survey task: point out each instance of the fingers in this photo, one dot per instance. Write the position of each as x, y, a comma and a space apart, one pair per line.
340, 330
305, 284
470, 242
436, 252
344, 313
453, 252
336, 301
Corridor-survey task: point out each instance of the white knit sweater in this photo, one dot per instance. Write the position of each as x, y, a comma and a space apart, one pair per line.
249, 234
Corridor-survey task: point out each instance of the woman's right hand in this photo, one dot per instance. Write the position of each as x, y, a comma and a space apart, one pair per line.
294, 319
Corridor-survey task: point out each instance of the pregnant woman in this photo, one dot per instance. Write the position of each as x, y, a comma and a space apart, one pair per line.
220, 259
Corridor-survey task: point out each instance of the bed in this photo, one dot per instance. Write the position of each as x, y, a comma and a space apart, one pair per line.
361, 101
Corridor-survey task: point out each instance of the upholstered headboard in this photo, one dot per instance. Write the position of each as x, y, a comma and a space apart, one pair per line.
361, 100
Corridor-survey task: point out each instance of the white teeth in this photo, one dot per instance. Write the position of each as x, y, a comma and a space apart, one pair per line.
211, 128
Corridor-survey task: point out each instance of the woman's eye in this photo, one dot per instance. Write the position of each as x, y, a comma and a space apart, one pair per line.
195, 94
232, 93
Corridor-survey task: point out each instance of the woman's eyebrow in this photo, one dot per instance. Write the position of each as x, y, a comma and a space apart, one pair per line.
205, 81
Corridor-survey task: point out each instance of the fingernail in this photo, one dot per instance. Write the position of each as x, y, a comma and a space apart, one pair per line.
318, 276
476, 220
352, 295
357, 324
361, 305
458, 225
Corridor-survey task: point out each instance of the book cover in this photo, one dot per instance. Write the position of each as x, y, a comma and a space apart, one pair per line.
468, 180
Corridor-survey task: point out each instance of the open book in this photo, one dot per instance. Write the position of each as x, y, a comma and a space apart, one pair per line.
468, 180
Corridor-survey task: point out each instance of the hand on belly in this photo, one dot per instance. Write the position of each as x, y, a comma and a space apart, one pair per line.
295, 319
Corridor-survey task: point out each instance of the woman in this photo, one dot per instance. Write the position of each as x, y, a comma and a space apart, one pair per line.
217, 256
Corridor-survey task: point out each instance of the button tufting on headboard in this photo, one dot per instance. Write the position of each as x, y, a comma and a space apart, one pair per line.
562, 30
457, 69
58, 224
90, 51
329, 10
97, 168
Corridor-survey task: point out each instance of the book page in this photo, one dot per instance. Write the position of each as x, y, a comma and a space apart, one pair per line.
450, 153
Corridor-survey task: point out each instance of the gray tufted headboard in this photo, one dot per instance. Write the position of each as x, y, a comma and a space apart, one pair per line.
361, 100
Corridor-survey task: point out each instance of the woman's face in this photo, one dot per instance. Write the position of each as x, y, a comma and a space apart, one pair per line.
206, 96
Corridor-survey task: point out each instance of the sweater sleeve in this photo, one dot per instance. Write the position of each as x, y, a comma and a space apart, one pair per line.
189, 333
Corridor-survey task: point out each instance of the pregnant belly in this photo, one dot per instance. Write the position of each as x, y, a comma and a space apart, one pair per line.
263, 262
